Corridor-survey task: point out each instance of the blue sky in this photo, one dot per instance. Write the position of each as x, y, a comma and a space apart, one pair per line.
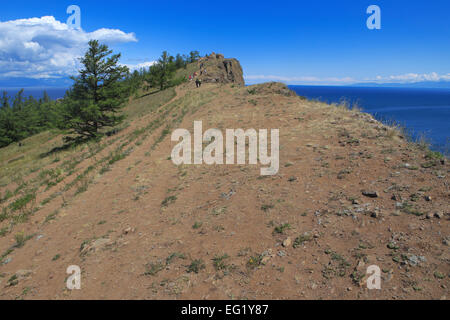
298, 42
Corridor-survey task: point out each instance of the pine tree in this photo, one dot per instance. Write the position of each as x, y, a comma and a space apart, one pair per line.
194, 56
98, 94
6, 122
162, 72
5, 100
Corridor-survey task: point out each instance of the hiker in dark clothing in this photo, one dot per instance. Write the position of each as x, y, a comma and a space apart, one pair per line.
198, 83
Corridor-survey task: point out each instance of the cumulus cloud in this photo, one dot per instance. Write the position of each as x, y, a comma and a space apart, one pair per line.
44, 48
413, 77
139, 66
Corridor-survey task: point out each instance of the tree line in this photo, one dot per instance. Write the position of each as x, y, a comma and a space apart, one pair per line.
95, 100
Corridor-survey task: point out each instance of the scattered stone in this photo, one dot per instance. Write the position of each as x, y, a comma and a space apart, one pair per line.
129, 230
266, 256
439, 215
429, 216
265, 260
23, 274
414, 260
281, 253
287, 242
228, 195
370, 194
95, 246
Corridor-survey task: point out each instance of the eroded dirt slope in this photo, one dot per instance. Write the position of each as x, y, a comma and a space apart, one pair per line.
142, 228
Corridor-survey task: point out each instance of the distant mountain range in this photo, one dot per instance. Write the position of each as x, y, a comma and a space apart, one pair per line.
424, 84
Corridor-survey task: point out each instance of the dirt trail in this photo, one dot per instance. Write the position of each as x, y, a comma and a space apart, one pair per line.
147, 229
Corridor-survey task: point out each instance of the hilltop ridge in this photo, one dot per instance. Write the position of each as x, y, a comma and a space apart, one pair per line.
351, 192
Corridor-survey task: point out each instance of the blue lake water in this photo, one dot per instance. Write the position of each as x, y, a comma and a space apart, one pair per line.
421, 111
37, 93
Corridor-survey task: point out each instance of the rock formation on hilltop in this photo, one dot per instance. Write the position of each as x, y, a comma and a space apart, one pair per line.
216, 69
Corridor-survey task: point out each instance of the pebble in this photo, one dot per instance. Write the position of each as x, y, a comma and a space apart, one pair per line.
281, 253
370, 194
439, 215
287, 242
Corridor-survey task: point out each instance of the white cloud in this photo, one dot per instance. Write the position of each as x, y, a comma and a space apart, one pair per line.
143, 65
44, 48
404, 78
412, 77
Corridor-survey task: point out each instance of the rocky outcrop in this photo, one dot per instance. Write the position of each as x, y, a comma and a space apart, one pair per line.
215, 68
269, 88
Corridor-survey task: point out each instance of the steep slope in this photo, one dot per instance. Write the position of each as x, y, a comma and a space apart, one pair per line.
142, 228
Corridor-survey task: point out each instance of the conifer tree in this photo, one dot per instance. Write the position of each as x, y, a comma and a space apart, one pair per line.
98, 94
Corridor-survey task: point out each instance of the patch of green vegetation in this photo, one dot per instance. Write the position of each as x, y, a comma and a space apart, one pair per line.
21, 239
393, 246
219, 262
409, 209
4, 215
169, 200
281, 228
51, 216
13, 280
22, 202
8, 194
357, 277
4, 231
174, 256
197, 225
56, 257
219, 210
439, 275
302, 239
338, 265
23, 216
429, 164
434, 155
196, 266
254, 261
116, 157
266, 207
152, 269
